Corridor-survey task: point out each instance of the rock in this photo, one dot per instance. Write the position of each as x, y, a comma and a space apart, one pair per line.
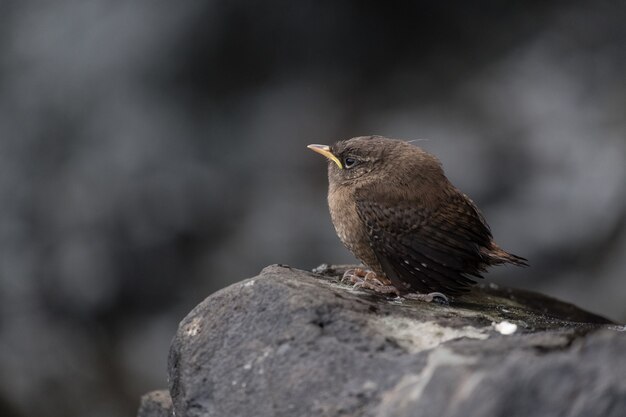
296, 343
156, 404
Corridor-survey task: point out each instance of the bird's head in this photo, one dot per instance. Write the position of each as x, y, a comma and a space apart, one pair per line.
367, 159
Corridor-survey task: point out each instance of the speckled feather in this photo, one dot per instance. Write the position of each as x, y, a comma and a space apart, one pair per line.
421, 249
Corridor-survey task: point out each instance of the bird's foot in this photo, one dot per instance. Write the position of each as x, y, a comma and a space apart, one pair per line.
360, 278
354, 276
433, 297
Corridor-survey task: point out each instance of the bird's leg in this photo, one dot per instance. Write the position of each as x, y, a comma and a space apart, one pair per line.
369, 280
435, 297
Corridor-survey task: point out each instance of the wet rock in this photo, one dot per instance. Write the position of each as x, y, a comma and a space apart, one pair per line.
297, 343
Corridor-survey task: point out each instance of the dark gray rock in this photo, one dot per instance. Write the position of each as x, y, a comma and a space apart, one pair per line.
296, 343
156, 404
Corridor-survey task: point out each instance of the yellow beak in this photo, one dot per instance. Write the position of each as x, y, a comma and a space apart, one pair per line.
325, 150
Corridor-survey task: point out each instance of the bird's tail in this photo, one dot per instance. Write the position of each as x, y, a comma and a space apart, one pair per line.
497, 255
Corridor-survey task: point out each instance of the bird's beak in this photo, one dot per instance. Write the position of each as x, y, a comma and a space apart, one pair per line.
325, 150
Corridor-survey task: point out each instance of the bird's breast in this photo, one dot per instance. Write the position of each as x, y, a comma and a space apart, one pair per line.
349, 227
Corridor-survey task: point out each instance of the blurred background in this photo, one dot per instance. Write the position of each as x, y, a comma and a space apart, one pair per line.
153, 152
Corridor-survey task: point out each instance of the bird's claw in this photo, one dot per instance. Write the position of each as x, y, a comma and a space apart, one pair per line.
433, 297
355, 275
368, 280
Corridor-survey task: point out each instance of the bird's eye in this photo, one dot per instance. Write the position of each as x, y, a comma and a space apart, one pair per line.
349, 162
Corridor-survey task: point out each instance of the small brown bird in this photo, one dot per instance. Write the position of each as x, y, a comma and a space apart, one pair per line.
394, 209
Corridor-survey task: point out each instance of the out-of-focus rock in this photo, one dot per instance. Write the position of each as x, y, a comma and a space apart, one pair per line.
296, 343
156, 404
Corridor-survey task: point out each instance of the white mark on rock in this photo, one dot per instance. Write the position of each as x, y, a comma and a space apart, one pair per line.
408, 391
466, 387
370, 385
424, 265
505, 327
617, 328
247, 366
416, 336
282, 349
396, 301
249, 283
193, 328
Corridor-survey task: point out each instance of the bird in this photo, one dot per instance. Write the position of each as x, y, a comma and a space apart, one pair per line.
393, 207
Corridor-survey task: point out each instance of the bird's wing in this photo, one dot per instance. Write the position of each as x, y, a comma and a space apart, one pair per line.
434, 249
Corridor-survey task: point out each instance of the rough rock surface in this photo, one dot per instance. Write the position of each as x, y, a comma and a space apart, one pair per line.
156, 404
296, 343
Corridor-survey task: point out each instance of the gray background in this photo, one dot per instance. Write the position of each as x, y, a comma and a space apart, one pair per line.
153, 152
